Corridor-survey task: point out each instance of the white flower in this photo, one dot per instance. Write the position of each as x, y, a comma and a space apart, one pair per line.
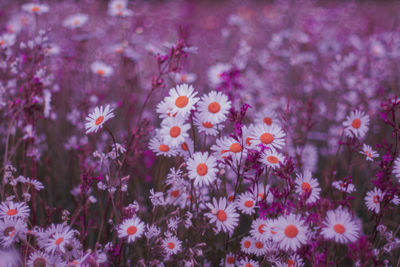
97, 118
246, 203
356, 124
11, 229
174, 131
369, 153
308, 187
35, 8
291, 233
396, 168
340, 226
101, 69
268, 136
202, 168
228, 146
271, 158
162, 149
223, 214
131, 229
213, 107
207, 127
215, 73
373, 199
181, 100
171, 245
75, 21
185, 77
14, 210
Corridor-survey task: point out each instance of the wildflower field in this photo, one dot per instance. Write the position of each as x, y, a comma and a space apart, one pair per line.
199, 133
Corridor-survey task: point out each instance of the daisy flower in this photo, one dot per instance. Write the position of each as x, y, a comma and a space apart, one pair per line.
356, 124
369, 153
248, 263
260, 248
396, 168
271, 158
260, 229
214, 107
340, 226
308, 187
38, 258
35, 8
229, 260
75, 21
373, 199
202, 168
101, 69
182, 99
171, 245
223, 214
161, 149
207, 127
268, 136
246, 203
215, 73
97, 118
6, 40
59, 240
294, 260
267, 116
131, 229
185, 77
119, 8
344, 186
247, 244
11, 229
291, 233
228, 146
246, 136
174, 131
14, 210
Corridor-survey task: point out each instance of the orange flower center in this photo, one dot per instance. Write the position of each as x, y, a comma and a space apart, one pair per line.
99, 120
306, 187
339, 228
35, 9
76, 22
246, 244
12, 212
207, 124
230, 260
356, 123
375, 199
273, 159
181, 101
183, 78
230, 198
290, 263
235, 148
249, 203
249, 265
131, 230
272, 232
266, 138
175, 193
2, 42
100, 72
248, 139
291, 231
259, 245
59, 240
368, 153
214, 107
163, 148
267, 120
221, 215
185, 147
175, 131
171, 245
202, 169
260, 228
